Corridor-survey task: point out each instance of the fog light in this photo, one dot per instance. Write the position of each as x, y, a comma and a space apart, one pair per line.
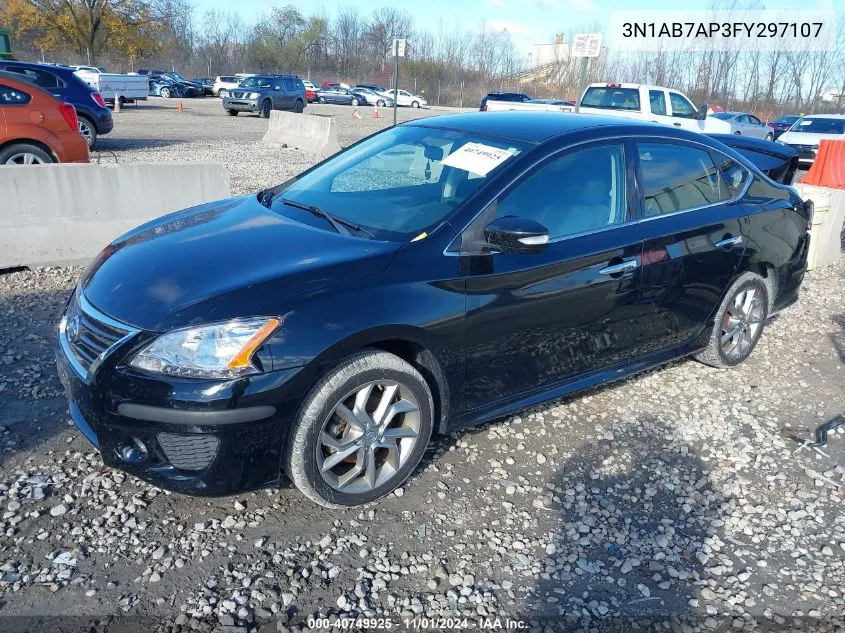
132, 452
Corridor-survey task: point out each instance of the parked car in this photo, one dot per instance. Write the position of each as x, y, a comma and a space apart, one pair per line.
746, 124
484, 264
35, 127
342, 96
332, 84
95, 119
778, 162
807, 132
517, 97
190, 88
369, 97
167, 88
783, 124
405, 98
224, 83
310, 90
264, 93
207, 84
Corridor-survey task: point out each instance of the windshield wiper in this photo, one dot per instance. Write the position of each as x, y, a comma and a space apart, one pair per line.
339, 224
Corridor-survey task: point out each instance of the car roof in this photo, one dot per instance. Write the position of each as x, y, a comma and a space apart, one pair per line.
823, 116
23, 80
531, 127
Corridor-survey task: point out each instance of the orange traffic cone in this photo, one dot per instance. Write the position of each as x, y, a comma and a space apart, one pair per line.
375, 112
116, 104
180, 108
356, 114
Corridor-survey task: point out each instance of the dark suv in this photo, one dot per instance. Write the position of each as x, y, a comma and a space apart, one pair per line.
94, 117
264, 93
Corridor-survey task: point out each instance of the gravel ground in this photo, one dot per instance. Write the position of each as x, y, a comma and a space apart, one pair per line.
685, 499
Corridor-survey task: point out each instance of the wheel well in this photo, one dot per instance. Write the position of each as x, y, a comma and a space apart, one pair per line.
424, 362
770, 278
28, 141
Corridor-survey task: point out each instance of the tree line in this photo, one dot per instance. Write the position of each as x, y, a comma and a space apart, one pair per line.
451, 66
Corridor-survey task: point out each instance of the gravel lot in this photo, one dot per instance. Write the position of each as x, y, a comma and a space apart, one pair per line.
685, 499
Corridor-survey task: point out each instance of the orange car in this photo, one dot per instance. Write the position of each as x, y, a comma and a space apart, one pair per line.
35, 127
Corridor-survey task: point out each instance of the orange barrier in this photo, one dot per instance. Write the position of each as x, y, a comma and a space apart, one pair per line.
828, 169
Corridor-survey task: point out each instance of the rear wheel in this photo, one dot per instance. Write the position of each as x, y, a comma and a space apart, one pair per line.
299, 107
738, 323
24, 154
321, 100
355, 102
232, 112
266, 108
361, 430
88, 131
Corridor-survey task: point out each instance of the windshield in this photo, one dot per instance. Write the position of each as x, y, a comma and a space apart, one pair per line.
255, 82
811, 125
723, 115
177, 76
401, 183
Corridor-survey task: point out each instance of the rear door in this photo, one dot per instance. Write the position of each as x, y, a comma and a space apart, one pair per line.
538, 319
693, 236
13, 111
290, 93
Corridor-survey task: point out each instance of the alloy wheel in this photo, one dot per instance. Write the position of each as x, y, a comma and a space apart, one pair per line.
85, 131
24, 158
368, 437
741, 323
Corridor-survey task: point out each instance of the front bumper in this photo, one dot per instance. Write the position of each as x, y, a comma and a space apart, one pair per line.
197, 437
241, 105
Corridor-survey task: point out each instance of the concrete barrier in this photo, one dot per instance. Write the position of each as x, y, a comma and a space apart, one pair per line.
309, 132
828, 220
54, 215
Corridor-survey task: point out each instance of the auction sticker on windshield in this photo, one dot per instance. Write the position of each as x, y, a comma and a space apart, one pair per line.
478, 158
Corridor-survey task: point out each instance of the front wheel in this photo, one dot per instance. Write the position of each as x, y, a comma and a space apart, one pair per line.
266, 108
320, 100
415, 104
738, 133
165, 93
361, 430
738, 323
380, 103
232, 112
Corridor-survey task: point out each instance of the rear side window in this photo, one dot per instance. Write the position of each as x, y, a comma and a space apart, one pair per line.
12, 96
290, 85
676, 177
579, 192
612, 98
657, 99
40, 77
681, 107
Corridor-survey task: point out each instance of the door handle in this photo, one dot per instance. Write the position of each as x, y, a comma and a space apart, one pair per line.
677, 124
615, 269
729, 242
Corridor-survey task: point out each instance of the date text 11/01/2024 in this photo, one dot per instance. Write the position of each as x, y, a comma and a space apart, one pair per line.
419, 624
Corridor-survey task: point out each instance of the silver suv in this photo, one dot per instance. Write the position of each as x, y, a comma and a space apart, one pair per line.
265, 93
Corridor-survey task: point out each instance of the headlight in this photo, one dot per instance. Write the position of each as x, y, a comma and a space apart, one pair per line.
253, 95
221, 350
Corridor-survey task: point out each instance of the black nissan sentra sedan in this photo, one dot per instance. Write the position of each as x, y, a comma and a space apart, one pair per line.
433, 276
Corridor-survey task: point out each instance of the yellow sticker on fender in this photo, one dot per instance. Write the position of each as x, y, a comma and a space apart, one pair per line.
477, 158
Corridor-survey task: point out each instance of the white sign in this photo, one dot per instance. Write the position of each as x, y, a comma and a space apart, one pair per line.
586, 45
477, 158
399, 48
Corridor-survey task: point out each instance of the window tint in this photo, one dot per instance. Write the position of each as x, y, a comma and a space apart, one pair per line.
40, 77
581, 191
612, 98
11, 96
734, 176
680, 106
290, 85
657, 98
676, 177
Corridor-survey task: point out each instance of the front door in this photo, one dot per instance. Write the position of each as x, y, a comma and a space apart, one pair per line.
693, 229
684, 113
537, 319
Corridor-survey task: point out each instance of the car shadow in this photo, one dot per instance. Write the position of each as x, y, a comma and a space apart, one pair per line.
838, 337
115, 144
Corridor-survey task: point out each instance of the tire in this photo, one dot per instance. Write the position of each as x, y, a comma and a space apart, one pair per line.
266, 108
380, 103
368, 376
24, 154
232, 112
739, 313
738, 133
415, 104
770, 137
299, 107
320, 100
165, 93
122, 101
88, 131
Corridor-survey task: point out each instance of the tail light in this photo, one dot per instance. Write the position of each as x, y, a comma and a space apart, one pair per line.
69, 113
810, 208
98, 99
484, 108
613, 85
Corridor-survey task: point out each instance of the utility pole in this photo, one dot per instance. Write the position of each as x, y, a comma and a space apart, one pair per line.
582, 79
398, 50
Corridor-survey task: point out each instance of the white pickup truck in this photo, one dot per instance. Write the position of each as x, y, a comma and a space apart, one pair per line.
634, 101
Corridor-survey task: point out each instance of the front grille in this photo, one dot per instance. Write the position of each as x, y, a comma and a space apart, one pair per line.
188, 452
89, 334
236, 94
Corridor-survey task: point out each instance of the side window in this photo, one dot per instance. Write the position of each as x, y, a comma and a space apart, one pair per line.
676, 177
290, 85
680, 106
581, 191
12, 97
734, 177
657, 98
754, 120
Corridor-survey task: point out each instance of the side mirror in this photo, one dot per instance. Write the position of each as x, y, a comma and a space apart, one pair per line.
513, 234
702, 113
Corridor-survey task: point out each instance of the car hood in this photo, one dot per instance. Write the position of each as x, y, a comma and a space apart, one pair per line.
227, 259
806, 138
